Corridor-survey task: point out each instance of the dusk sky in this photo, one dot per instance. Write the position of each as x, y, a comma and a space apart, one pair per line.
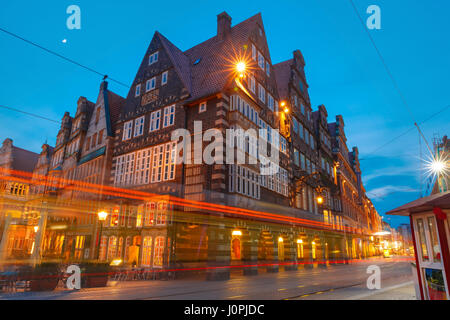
342, 68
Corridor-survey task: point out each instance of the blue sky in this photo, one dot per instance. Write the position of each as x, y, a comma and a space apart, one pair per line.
343, 70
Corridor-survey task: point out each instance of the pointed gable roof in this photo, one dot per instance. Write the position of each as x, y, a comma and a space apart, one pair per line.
113, 104
179, 60
282, 72
212, 73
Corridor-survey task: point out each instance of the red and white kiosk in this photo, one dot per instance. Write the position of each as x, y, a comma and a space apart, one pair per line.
430, 228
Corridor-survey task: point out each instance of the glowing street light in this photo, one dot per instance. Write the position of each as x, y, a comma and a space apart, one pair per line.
437, 166
240, 68
236, 233
102, 215
284, 106
319, 199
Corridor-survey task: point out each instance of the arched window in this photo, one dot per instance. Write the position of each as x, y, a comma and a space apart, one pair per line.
280, 249
127, 245
300, 253
235, 248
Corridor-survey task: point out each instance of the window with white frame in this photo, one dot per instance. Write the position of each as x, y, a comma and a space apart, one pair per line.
261, 93
145, 166
202, 107
164, 77
169, 161
253, 52
169, 116
146, 251
244, 181
137, 92
151, 84
252, 84
142, 170
157, 163
139, 126
158, 253
155, 117
153, 58
283, 145
161, 213
261, 61
270, 102
127, 130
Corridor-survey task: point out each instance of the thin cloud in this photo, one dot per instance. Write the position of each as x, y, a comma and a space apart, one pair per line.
382, 192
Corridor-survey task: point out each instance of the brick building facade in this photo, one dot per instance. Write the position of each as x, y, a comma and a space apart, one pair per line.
163, 212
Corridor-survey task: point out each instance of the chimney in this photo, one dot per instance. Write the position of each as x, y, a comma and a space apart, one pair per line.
223, 25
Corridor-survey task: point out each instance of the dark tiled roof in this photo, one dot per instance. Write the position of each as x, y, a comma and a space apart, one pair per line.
116, 104
212, 73
441, 200
282, 75
24, 160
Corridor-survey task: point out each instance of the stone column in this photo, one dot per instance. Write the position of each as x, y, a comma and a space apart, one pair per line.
273, 258
290, 255
323, 256
219, 240
250, 252
309, 261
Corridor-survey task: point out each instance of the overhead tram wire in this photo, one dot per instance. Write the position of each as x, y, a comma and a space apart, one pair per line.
62, 57
397, 88
402, 134
29, 113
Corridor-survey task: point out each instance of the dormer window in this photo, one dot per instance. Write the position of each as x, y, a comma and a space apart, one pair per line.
153, 58
202, 107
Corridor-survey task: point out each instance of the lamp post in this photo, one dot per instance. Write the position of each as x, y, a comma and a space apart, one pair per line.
101, 217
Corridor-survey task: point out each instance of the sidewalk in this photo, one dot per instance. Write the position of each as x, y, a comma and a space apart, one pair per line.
403, 291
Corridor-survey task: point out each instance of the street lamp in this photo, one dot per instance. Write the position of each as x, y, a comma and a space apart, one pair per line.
101, 217
319, 200
284, 107
240, 68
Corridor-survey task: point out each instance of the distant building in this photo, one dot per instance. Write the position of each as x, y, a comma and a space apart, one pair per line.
16, 232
